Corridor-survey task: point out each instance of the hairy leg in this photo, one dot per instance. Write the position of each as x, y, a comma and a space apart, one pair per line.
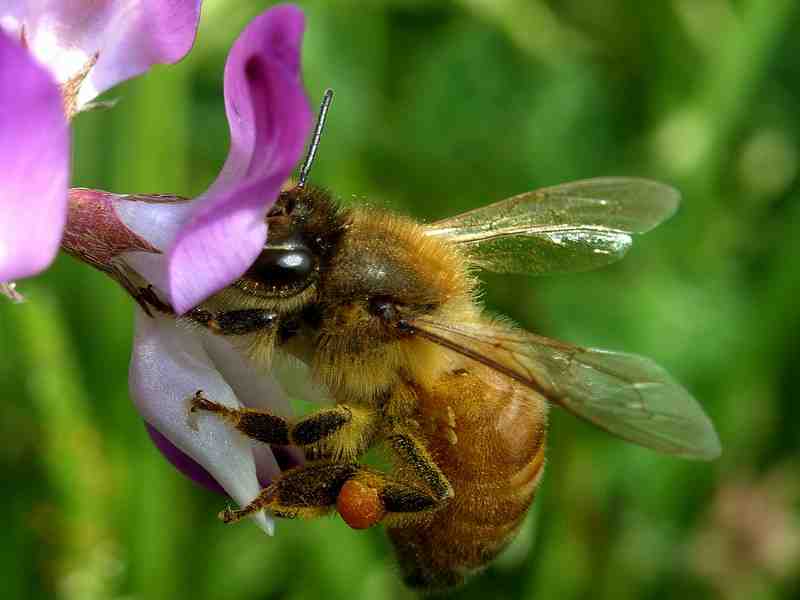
362, 495
303, 492
417, 489
341, 432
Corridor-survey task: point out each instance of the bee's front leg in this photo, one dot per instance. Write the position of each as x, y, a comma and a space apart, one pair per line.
259, 425
341, 432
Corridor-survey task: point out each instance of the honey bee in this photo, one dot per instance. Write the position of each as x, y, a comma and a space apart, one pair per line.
384, 311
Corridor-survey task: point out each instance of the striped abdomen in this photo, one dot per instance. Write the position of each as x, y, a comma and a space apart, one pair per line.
494, 463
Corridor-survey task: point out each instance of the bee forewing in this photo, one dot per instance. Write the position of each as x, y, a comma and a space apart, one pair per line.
571, 227
627, 395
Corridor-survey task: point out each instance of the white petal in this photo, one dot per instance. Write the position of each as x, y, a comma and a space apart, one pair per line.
169, 364
158, 223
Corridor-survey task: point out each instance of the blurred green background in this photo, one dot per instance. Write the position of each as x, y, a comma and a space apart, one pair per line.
443, 106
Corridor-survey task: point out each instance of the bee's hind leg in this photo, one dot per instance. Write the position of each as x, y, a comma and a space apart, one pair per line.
363, 496
413, 456
304, 492
419, 488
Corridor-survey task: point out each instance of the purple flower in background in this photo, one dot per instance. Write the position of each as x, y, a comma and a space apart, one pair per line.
188, 250
55, 58
89, 46
34, 163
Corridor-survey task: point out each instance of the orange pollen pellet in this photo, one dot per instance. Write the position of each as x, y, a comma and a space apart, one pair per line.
359, 505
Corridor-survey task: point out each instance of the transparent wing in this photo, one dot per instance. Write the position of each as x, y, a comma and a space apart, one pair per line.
627, 395
571, 227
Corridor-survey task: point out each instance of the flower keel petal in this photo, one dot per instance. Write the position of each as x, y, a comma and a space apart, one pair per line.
169, 365
182, 461
259, 390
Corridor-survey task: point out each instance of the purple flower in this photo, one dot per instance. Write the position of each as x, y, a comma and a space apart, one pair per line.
34, 163
55, 58
96, 44
211, 241
189, 249
182, 251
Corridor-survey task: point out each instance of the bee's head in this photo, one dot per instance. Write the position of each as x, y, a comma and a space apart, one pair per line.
386, 271
304, 226
342, 284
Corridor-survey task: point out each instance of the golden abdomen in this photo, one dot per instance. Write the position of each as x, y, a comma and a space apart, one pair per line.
487, 435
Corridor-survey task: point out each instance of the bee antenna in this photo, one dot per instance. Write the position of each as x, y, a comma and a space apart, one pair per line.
314, 146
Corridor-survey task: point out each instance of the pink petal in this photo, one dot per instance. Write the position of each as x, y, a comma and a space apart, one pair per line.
127, 37
220, 244
34, 163
267, 109
169, 364
269, 119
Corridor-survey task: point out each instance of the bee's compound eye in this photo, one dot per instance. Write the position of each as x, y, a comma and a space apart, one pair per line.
278, 265
283, 271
